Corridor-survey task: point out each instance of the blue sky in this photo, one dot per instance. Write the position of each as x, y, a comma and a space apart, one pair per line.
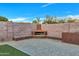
26, 12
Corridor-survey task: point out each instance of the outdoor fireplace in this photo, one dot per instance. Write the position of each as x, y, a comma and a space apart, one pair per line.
39, 32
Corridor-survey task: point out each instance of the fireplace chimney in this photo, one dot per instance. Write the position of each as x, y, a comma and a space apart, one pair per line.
39, 27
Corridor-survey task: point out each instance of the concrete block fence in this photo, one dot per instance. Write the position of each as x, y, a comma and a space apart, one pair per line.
11, 30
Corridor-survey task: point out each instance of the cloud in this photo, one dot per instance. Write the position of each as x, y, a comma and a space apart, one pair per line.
73, 16
69, 16
46, 5
19, 19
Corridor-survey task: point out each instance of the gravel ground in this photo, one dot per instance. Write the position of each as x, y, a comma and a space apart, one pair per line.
46, 47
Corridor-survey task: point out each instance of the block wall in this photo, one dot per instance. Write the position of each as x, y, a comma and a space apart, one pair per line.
10, 30
23, 29
55, 30
3, 31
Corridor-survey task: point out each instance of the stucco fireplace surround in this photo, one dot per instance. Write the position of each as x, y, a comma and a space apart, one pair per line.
39, 32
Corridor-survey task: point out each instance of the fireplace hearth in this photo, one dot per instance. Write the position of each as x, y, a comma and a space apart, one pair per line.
39, 32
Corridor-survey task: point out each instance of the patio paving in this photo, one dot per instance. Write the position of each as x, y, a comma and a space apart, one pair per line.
46, 47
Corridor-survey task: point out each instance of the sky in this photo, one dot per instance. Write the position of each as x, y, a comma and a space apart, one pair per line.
26, 12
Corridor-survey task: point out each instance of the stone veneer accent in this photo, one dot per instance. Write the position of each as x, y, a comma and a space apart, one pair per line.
12, 30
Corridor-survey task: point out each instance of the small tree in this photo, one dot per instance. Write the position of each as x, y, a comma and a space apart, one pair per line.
70, 20
47, 22
76, 20
50, 20
3, 18
37, 21
61, 21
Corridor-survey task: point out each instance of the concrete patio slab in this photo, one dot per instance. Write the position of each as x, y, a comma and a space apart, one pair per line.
46, 47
